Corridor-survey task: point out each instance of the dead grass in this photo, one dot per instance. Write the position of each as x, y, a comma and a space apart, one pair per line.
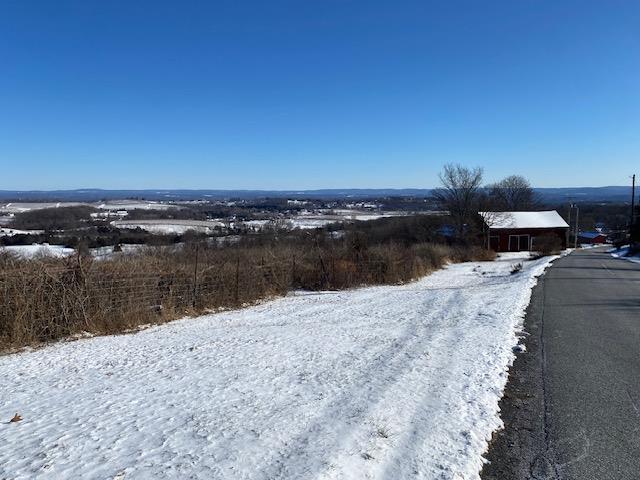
45, 299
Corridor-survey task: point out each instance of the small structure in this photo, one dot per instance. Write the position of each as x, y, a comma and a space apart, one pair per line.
592, 238
517, 231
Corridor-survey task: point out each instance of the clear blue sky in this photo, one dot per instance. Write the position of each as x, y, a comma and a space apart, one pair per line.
316, 94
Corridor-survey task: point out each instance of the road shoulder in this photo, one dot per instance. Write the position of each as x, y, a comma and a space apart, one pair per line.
517, 450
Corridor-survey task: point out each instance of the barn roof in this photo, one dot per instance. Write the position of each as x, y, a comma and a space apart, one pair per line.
509, 220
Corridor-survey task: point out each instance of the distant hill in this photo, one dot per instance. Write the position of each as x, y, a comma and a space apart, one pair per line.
87, 195
549, 195
586, 194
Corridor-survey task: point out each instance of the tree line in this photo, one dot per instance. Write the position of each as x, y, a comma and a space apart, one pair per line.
463, 195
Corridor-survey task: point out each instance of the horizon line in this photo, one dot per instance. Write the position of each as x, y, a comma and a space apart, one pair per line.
287, 190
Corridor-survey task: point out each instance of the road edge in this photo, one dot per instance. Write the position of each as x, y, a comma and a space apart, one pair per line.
517, 451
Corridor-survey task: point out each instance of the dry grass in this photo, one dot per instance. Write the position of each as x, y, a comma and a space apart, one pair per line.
45, 299
547, 245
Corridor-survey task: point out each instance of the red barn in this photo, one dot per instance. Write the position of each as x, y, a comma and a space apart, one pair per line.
517, 231
592, 237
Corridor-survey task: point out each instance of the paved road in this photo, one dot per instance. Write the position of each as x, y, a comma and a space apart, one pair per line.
572, 406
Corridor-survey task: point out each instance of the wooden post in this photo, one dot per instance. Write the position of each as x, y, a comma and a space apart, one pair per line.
293, 272
195, 277
83, 295
238, 280
325, 275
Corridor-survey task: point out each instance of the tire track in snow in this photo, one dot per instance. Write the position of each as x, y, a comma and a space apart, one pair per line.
350, 408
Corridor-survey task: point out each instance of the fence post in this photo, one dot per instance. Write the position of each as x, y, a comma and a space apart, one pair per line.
83, 296
237, 279
195, 277
293, 272
325, 275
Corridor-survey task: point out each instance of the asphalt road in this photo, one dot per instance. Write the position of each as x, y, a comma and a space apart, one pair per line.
572, 406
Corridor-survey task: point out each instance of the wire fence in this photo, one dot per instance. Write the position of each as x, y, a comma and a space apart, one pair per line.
41, 301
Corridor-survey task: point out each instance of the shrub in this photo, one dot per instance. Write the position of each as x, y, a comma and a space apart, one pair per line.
432, 256
547, 245
53, 218
45, 298
472, 253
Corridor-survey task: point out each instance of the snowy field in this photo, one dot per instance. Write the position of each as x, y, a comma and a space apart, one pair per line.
30, 251
19, 207
10, 232
133, 205
178, 227
389, 382
302, 222
58, 251
107, 253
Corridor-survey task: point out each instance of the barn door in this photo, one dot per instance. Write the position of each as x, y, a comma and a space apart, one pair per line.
513, 243
518, 243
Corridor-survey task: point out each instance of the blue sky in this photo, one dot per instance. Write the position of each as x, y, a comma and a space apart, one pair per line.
316, 94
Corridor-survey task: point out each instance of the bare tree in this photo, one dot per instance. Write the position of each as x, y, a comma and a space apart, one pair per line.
459, 195
513, 193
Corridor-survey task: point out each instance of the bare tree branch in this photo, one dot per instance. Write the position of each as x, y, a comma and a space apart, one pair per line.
459, 194
513, 193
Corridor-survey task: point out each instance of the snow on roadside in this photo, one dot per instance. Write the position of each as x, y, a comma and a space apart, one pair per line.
385, 382
624, 253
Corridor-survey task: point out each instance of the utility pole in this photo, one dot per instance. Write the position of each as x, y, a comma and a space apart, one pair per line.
195, 277
633, 200
575, 245
569, 222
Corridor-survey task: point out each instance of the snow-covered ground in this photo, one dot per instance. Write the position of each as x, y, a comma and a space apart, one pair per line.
625, 254
310, 223
133, 205
19, 207
169, 226
10, 232
303, 222
29, 251
105, 253
389, 382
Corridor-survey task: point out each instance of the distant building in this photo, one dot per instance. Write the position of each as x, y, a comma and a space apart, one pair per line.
517, 231
592, 237
447, 231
